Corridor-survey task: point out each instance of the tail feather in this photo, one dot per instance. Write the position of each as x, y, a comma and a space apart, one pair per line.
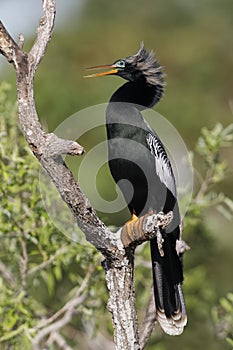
168, 277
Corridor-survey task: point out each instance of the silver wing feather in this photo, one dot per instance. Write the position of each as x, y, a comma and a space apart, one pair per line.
162, 162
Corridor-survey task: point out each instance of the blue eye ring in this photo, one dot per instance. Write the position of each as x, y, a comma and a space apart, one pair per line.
120, 64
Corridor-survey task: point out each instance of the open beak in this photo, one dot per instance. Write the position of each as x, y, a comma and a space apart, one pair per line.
113, 70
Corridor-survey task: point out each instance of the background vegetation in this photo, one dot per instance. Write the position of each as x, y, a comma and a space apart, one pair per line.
41, 268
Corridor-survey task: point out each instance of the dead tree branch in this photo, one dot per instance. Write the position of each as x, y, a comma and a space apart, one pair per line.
69, 306
117, 248
148, 321
59, 340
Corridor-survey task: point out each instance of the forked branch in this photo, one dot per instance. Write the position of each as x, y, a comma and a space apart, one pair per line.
117, 248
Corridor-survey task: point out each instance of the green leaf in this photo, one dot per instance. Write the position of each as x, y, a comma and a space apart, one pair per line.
227, 306
12, 334
222, 210
229, 203
230, 341
230, 297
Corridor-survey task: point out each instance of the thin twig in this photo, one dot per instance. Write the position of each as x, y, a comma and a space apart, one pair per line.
56, 337
46, 263
71, 304
148, 321
51, 324
6, 274
24, 262
56, 326
205, 184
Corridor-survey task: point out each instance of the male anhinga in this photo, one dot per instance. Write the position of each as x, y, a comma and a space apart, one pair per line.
136, 154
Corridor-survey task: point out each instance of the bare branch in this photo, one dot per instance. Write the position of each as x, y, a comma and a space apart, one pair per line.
70, 305
148, 321
53, 324
122, 304
118, 248
24, 262
56, 326
21, 41
55, 146
8, 46
46, 263
181, 247
59, 340
48, 147
44, 32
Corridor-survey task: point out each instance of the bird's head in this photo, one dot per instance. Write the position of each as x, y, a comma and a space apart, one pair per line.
142, 65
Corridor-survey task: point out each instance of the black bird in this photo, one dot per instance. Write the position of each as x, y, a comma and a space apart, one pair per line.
140, 166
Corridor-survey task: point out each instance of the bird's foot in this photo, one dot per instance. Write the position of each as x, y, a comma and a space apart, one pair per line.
133, 219
130, 230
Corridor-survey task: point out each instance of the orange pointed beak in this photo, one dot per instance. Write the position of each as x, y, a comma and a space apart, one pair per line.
114, 70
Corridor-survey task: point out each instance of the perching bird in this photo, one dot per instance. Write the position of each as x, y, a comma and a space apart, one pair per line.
140, 166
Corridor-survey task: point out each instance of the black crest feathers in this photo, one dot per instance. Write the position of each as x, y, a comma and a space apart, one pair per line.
147, 63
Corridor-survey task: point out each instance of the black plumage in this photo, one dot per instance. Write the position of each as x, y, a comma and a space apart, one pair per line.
140, 166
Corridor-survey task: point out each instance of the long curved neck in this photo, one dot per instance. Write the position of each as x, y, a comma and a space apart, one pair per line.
139, 93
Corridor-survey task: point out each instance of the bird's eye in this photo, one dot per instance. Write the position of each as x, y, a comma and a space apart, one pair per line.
120, 64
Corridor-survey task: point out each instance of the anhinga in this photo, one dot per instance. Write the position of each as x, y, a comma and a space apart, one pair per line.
136, 154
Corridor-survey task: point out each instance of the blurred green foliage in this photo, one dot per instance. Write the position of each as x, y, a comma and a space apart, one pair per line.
41, 269
223, 317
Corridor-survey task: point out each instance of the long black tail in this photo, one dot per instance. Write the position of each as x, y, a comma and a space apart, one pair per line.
168, 277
